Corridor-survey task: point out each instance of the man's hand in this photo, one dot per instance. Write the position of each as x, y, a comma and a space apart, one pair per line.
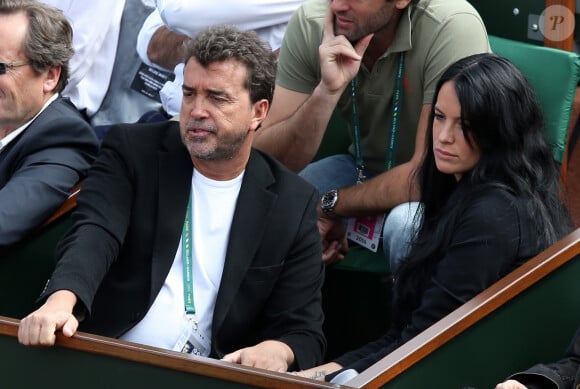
339, 60
333, 234
269, 354
166, 48
40, 326
511, 384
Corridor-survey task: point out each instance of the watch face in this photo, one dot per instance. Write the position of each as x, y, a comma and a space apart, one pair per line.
329, 200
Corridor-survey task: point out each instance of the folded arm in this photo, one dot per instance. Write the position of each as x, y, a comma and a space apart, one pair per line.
295, 125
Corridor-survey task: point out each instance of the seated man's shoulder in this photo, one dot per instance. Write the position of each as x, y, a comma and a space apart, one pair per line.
314, 9
284, 178
446, 8
441, 15
309, 17
60, 122
64, 109
146, 139
61, 116
148, 131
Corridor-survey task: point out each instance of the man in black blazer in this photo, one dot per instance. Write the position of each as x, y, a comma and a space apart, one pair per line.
46, 146
117, 265
563, 374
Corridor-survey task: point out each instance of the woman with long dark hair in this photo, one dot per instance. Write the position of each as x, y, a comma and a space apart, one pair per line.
490, 200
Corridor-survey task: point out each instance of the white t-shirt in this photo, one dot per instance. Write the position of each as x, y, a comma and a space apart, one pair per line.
267, 17
213, 205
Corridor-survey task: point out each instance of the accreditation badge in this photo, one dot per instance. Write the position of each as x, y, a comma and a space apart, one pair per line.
191, 340
366, 231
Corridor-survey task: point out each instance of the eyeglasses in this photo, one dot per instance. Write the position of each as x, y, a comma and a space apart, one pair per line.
15, 64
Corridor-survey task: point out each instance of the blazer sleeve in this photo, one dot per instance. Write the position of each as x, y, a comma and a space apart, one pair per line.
47, 165
100, 223
558, 375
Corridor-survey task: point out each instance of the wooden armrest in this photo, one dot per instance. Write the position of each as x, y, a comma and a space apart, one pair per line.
129, 361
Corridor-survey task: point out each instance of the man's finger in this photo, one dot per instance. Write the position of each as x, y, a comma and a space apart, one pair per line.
70, 327
328, 32
235, 357
332, 254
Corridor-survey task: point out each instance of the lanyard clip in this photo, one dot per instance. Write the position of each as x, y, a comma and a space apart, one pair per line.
192, 318
360, 175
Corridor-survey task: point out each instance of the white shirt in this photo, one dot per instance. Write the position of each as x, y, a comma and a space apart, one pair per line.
96, 26
11, 136
267, 17
213, 205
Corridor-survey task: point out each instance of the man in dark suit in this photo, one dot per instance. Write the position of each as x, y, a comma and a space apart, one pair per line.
46, 146
246, 263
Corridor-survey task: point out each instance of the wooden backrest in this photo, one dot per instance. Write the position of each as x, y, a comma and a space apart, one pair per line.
560, 37
26, 266
89, 361
528, 316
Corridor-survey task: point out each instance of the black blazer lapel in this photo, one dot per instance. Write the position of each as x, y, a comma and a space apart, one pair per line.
175, 170
254, 203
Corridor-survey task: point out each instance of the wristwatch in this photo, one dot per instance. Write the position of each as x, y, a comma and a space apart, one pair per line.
328, 202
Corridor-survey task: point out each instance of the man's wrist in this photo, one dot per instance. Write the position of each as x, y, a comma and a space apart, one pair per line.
62, 299
328, 203
285, 352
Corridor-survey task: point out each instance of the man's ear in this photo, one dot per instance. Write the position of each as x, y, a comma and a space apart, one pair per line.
260, 111
51, 79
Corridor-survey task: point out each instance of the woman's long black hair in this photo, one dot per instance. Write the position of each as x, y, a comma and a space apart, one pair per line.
501, 114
